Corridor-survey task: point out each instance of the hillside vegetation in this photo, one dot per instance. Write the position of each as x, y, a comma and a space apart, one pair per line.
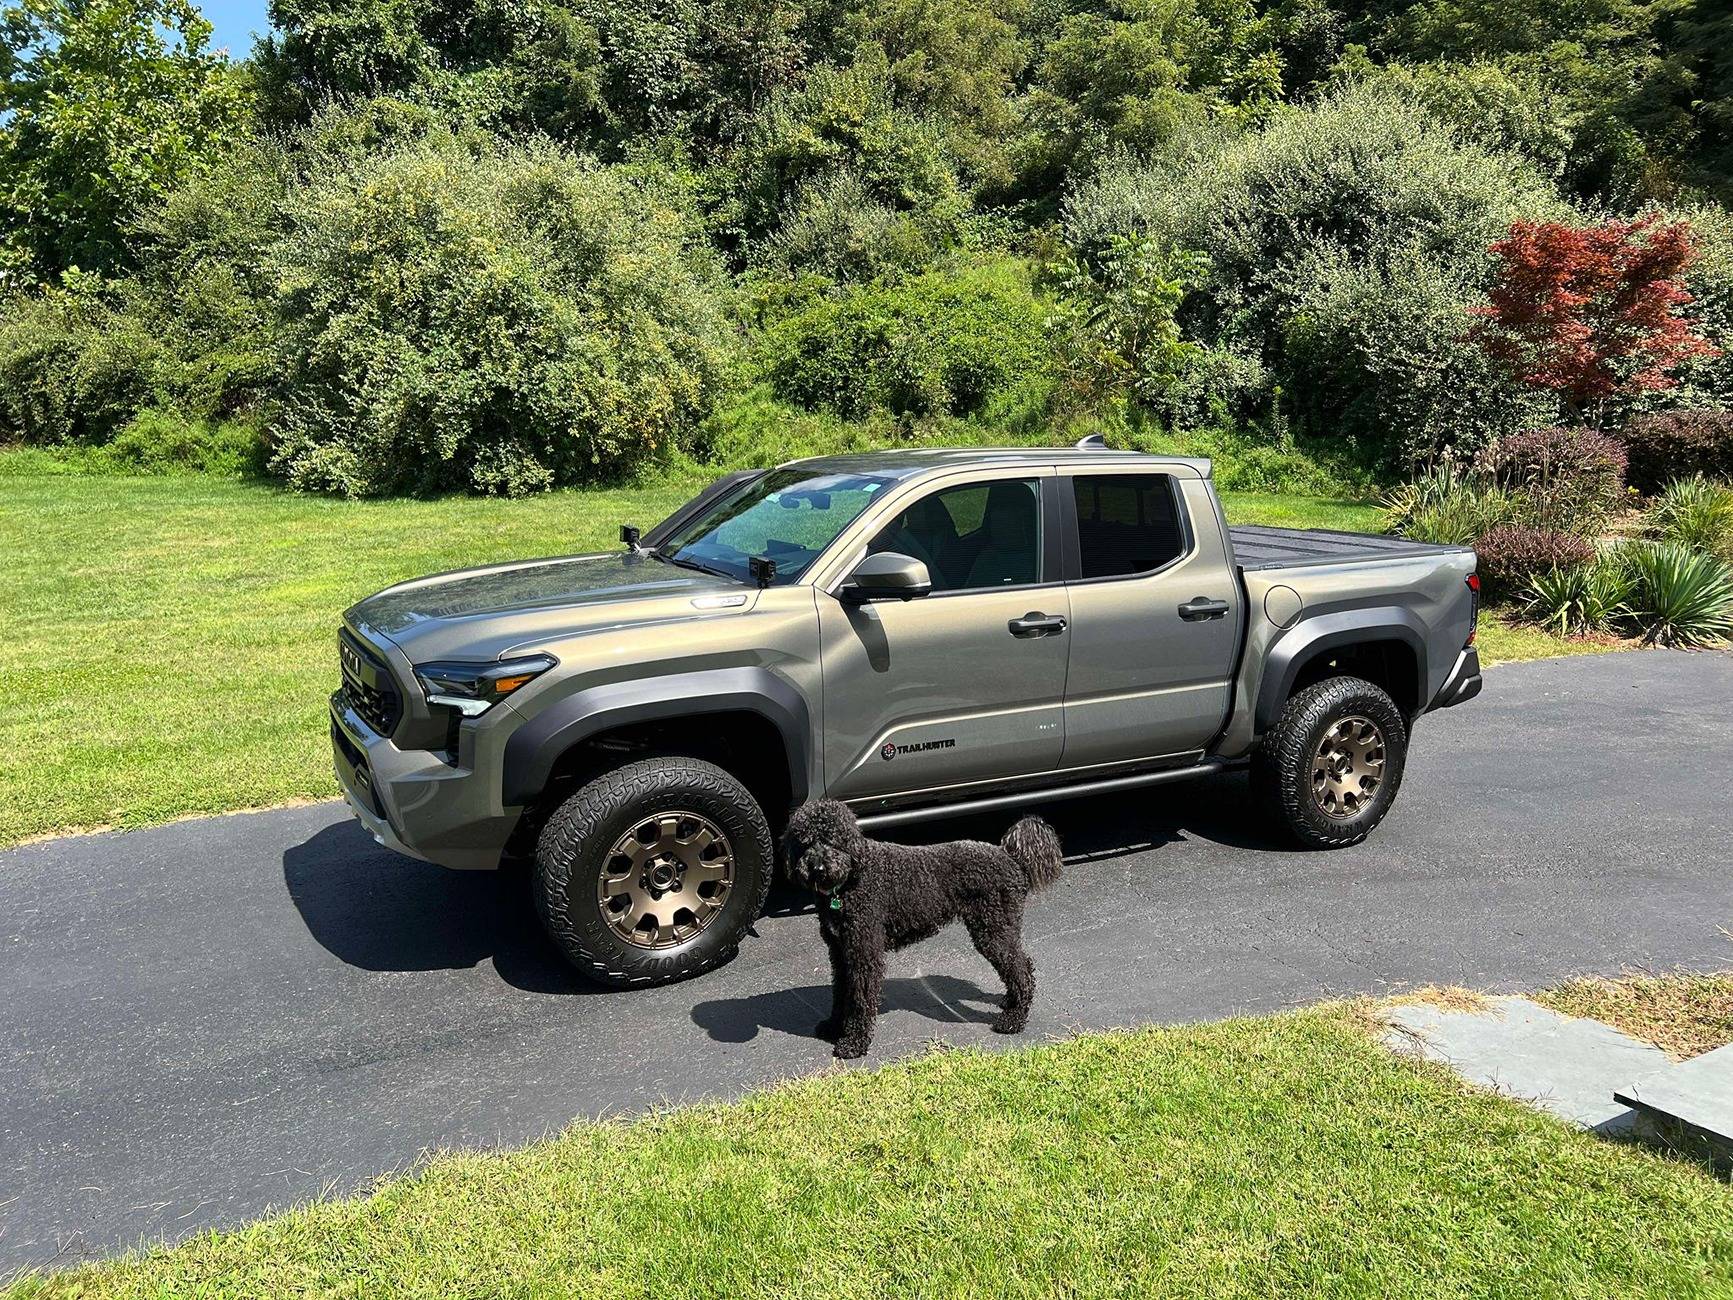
415, 246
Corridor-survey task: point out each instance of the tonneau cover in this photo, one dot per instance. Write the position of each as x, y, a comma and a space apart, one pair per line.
1256, 547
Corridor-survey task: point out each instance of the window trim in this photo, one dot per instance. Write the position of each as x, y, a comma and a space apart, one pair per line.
1051, 504
1073, 537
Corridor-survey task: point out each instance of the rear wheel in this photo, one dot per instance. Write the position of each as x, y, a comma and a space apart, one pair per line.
1330, 767
653, 872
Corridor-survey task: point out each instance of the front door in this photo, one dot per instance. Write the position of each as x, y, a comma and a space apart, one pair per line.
963, 685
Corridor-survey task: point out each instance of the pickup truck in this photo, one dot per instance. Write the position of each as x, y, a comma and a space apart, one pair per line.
917, 633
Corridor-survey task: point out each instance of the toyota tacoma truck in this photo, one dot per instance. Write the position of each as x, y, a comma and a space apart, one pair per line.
917, 633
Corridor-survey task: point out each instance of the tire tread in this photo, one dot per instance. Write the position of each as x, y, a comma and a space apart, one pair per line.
1283, 756
560, 844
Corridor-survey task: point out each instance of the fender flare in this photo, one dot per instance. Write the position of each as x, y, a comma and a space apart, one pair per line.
1322, 632
534, 748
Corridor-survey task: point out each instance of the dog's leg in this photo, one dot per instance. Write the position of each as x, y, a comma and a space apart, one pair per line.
998, 937
831, 1026
864, 976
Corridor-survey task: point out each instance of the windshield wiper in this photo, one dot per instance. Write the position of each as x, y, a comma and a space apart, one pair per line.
690, 564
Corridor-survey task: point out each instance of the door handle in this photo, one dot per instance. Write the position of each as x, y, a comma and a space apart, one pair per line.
1202, 607
1035, 623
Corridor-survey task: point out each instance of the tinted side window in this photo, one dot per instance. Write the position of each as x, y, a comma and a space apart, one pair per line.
1126, 523
978, 535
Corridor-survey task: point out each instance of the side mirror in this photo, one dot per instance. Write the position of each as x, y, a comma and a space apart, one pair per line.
887, 576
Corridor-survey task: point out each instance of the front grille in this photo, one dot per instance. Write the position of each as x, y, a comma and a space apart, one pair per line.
367, 685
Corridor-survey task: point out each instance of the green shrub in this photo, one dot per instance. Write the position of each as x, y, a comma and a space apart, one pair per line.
1563, 478
497, 321
1679, 597
159, 441
941, 343
833, 226
1665, 445
1695, 512
1513, 556
1581, 598
72, 369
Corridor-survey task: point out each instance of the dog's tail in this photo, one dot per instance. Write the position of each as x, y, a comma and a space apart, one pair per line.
1034, 846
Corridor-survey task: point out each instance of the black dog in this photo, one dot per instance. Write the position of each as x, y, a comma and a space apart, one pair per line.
876, 898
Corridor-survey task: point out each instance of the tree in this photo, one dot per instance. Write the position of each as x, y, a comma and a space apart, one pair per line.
105, 106
1591, 313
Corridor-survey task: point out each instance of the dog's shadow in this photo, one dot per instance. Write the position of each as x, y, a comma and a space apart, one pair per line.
800, 1011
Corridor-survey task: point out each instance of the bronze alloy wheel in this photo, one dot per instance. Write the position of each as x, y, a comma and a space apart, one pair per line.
1348, 767
666, 879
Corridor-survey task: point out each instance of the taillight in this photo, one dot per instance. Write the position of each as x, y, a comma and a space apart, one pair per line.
1473, 608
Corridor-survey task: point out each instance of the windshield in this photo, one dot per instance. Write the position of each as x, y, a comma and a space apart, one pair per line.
789, 515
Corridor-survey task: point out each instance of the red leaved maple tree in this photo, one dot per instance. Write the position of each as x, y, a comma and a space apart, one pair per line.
1591, 313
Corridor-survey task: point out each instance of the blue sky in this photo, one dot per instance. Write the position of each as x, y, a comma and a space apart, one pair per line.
235, 22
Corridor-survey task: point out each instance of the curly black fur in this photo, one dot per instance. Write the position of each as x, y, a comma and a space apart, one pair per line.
876, 898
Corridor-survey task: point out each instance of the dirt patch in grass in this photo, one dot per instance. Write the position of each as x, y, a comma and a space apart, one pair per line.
1683, 1015
1446, 997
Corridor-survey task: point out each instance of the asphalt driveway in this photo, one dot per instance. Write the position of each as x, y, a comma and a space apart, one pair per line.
213, 1018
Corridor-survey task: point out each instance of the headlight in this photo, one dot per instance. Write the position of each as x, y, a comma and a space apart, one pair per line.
476, 688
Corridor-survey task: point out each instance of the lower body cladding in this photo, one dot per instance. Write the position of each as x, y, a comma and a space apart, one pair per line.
415, 797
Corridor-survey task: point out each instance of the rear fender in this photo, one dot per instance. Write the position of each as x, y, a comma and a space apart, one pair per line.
1326, 632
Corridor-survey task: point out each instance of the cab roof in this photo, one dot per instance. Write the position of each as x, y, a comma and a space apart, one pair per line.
901, 464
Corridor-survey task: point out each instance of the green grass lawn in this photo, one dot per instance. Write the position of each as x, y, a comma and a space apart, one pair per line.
169, 642
1287, 1156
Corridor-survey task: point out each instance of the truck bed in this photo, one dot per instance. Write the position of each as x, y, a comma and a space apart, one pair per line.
1257, 547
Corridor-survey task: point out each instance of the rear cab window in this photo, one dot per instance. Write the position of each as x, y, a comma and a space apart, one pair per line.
1127, 524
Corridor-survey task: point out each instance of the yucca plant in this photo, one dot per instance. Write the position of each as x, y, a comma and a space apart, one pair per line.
1696, 512
1446, 504
1679, 597
1581, 598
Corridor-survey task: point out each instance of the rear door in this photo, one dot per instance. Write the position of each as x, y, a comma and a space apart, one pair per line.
1155, 616
967, 684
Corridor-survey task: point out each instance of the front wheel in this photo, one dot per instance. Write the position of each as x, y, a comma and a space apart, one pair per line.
654, 871
1330, 767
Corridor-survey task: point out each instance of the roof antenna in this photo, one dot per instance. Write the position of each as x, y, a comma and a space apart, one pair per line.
1094, 442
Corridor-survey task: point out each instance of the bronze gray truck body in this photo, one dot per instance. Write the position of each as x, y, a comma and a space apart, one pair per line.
1086, 620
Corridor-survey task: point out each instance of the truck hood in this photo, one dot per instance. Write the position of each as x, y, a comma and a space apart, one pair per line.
479, 614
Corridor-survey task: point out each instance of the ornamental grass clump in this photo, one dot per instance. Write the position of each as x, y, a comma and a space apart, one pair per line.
1695, 512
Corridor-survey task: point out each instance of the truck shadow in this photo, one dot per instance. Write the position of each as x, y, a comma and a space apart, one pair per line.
379, 911
800, 1011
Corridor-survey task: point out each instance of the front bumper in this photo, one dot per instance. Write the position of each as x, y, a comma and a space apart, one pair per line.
1464, 680
416, 802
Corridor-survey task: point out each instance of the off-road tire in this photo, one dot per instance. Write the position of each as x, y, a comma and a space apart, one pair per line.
1285, 761
569, 863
